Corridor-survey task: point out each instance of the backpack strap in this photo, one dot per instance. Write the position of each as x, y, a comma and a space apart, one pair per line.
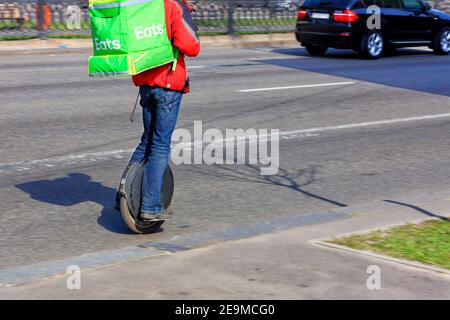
187, 9
174, 63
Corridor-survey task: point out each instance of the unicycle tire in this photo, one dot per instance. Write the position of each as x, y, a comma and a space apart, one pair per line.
132, 224
130, 198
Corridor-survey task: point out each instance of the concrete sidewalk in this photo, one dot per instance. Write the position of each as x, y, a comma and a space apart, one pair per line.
256, 40
281, 265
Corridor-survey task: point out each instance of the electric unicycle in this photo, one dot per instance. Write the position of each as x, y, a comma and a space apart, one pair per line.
130, 198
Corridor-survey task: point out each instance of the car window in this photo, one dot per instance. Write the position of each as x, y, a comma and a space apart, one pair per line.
361, 4
392, 4
387, 3
413, 4
327, 3
379, 3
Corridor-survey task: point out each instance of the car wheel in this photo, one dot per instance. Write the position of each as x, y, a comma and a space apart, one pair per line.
441, 45
315, 50
372, 44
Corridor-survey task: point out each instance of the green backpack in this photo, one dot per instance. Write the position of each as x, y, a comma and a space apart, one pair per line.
129, 37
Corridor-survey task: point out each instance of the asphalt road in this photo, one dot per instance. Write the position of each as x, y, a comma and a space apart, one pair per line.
65, 140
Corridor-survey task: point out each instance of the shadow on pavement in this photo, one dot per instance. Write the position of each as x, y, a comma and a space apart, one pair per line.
295, 181
351, 54
74, 189
426, 212
411, 69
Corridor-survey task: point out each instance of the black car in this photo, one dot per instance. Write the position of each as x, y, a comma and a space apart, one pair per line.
370, 30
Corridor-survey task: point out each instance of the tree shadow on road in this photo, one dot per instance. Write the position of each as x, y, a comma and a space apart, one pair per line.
421, 210
74, 189
294, 180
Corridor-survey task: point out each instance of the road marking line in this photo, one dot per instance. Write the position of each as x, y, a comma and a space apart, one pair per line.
368, 124
64, 160
43, 69
299, 87
86, 158
195, 67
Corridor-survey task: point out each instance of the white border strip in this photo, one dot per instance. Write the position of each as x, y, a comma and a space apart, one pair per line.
323, 242
76, 159
408, 263
299, 87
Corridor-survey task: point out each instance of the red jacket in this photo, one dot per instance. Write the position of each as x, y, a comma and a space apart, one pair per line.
181, 32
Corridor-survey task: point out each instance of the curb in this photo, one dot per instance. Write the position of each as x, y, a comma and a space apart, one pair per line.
48, 269
248, 41
323, 242
46, 46
96, 260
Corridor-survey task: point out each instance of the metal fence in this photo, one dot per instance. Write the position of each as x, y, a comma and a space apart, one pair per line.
70, 17
245, 16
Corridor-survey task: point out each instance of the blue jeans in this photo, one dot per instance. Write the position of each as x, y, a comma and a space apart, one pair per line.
160, 109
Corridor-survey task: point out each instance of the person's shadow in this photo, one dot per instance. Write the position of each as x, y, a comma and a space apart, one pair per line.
77, 188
